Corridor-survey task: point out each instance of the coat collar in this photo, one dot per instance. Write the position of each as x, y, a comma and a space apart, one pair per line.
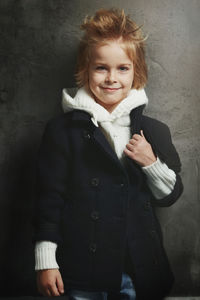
135, 116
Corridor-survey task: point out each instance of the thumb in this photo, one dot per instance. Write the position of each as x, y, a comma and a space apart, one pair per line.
59, 283
142, 134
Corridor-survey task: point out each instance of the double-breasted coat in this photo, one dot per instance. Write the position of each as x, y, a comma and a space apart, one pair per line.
100, 212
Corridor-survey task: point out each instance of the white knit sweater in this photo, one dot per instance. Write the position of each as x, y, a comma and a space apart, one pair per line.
116, 128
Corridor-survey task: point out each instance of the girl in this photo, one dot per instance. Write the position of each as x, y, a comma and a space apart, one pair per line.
103, 166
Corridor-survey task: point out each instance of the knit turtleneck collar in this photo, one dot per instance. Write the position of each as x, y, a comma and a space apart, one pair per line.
83, 101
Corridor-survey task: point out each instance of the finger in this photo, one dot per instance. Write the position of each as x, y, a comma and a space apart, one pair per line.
142, 134
136, 137
42, 290
130, 147
128, 153
45, 292
59, 283
48, 293
132, 142
54, 291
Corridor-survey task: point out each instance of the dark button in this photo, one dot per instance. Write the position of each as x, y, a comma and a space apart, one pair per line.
95, 215
95, 181
122, 184
86, 135
155, 261
152, 233
147, 205
93, 247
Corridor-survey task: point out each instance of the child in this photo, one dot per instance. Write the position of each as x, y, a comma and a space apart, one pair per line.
102, 168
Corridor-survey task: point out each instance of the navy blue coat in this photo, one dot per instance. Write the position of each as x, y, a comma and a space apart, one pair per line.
100, 212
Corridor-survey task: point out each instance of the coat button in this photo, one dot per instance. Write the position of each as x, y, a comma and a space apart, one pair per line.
152, 233
122, 184
86, 134
147, 205
155, 261
95, 181
93, 247
95, 215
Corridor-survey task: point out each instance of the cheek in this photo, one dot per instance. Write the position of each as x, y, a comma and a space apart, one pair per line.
95, 80
129, 81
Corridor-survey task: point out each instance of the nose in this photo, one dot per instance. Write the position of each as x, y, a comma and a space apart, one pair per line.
110, 77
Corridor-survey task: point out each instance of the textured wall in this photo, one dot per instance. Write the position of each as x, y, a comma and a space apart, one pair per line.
37, 57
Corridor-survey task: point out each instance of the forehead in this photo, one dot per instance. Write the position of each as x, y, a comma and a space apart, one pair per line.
110, 51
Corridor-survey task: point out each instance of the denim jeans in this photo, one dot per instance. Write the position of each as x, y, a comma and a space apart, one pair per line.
127, 292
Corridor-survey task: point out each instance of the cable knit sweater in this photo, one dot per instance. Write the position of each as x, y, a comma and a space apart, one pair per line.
116, 128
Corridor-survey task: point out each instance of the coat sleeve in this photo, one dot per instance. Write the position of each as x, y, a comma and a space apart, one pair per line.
159, 136
51, 181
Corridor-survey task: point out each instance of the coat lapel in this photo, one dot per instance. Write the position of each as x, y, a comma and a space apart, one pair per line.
136, 119
136, 126
100, 139
96, 134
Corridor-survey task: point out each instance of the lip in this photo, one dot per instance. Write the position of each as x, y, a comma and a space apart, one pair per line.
110, 89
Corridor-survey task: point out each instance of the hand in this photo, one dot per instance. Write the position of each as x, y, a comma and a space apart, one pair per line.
140, 150
49, 282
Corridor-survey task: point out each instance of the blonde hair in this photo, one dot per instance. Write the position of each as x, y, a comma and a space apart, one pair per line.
106, 25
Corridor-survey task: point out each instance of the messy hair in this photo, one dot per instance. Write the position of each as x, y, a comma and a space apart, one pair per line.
108, 25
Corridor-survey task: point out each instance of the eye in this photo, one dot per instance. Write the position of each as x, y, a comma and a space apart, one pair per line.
122, 68
100, 68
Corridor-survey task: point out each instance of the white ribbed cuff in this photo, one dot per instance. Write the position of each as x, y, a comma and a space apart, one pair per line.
160, 178
45, 255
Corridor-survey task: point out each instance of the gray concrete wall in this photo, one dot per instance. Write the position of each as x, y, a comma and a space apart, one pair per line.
37, 56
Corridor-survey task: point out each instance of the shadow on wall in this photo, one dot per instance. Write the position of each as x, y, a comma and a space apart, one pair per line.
17, 253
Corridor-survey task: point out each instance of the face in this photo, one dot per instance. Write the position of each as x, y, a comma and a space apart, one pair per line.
110, 74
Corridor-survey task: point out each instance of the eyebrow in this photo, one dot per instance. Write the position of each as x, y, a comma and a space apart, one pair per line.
104, 64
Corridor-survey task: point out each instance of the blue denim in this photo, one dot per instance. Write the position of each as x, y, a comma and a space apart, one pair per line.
127, 292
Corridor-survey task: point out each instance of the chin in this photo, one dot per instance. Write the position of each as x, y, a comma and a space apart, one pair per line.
113, 100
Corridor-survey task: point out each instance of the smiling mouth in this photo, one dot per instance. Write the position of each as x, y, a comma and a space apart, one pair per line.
110, 89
